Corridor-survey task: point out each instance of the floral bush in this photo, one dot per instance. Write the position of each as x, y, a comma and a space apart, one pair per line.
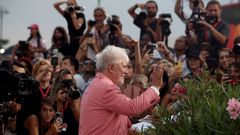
209, 108
233, 108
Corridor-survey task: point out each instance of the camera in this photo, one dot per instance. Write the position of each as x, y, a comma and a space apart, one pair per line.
111, 21
21, 85
75, 8
143, 14
91, 23
211, 19
202, 17
72, 91
165, 23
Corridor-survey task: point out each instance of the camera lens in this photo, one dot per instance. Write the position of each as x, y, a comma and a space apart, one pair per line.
74, 94
143, 14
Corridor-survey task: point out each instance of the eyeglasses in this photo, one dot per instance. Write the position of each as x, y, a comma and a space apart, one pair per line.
88, 63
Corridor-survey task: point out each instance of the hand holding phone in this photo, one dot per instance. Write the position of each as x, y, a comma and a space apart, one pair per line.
59, 121
151, 48
54, 61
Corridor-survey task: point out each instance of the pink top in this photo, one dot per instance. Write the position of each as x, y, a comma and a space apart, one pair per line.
105, 110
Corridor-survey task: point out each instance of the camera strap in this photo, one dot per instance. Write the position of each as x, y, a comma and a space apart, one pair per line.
207, 35
47, 91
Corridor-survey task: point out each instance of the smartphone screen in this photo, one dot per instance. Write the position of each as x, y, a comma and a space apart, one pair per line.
205, 47
54, 60
151, 47
58, 117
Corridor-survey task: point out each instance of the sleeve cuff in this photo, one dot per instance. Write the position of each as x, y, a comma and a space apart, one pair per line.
155, 89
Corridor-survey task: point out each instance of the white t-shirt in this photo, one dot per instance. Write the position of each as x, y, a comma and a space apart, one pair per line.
34, 42
80, 82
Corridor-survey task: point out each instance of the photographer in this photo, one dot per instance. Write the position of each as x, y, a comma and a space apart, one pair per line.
75, 21
34, 47
67, 99
96, 26
88, 48
94, 34
72, 65
114, 35
211, 32
146, 20
19, 88
180, 12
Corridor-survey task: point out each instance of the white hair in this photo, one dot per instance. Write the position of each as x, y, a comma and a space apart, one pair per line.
110, 55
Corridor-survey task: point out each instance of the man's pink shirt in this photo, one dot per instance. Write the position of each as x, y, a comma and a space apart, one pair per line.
105, 110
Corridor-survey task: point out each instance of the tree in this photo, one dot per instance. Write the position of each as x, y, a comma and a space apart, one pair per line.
3, 42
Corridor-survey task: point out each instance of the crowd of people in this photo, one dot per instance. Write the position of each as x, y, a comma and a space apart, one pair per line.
94, 79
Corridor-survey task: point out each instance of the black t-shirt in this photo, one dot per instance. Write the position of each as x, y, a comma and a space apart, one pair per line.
72, 31
72, 124
61, 47
138, 21
206, 36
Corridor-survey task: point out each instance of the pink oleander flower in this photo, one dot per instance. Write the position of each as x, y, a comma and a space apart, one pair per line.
233, 108
178, 88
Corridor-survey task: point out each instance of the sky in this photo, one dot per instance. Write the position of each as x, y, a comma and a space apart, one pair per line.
23, 13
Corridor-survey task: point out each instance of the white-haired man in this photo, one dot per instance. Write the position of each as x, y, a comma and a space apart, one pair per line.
104, 109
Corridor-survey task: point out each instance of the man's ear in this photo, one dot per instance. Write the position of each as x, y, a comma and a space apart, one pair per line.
111, 68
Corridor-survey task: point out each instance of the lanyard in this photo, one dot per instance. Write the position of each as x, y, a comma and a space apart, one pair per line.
207, 32
46, 93
64, 108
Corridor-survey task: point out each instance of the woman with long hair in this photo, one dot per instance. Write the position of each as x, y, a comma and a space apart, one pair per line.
67, 98
60, 41
44, 122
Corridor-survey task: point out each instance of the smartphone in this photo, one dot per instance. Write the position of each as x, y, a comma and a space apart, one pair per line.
59, 117
89, 35
151, 47
205, 46
54, 61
